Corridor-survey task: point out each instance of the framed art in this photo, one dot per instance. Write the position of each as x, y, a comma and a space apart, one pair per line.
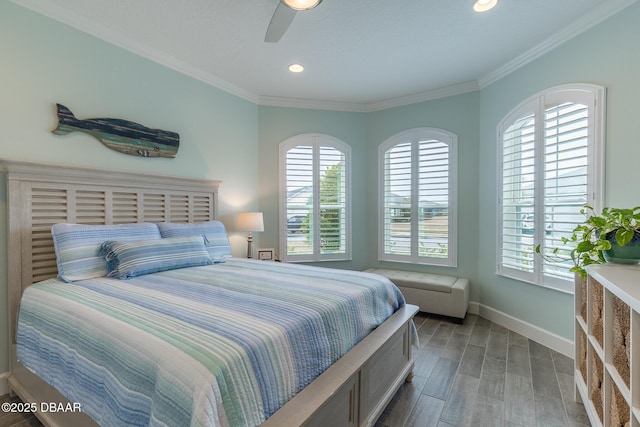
266, 254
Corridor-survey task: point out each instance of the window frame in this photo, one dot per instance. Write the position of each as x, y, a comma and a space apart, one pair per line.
314, 140
593, 96
415, 136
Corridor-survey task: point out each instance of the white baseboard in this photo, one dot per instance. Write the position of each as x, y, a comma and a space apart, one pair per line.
542, 336
4, 386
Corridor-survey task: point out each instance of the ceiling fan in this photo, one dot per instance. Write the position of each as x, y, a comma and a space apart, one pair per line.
284, 14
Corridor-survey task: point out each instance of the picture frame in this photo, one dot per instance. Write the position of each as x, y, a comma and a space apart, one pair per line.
265, 254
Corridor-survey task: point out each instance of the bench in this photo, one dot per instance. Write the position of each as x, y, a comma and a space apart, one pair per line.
433, 293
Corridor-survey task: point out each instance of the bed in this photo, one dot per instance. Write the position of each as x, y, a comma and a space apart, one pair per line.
348, 383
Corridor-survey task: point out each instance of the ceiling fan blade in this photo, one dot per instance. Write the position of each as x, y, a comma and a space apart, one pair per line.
280, 21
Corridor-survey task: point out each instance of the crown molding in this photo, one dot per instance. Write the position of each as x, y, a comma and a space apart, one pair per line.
604, 11
114, 37
430, 95
278, 101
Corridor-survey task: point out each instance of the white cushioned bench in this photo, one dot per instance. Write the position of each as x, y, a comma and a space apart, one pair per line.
433, 293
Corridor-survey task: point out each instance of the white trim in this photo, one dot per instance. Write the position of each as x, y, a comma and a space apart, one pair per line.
118, 39
413, 136
603, 11
549, 339
593, 96
313, 104
429, 95
354, 107
314, 140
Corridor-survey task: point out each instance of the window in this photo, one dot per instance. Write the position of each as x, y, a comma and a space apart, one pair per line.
315, 220
550, 166
418, 218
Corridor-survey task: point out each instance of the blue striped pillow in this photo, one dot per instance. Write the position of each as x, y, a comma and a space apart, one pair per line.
217, 241
77, 246
131, 259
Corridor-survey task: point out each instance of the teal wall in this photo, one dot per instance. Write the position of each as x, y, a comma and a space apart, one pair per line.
606, 55
227, 138
44, 62
278, 124
456, 114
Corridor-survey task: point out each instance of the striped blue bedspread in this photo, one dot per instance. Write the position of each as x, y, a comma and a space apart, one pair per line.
220, 345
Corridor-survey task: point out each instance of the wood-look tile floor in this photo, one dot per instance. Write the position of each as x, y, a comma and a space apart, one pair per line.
481, 374
471, 374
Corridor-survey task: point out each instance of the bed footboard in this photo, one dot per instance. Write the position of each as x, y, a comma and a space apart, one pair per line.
356, 389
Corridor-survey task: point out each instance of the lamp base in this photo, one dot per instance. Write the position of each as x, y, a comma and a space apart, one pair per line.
249, 241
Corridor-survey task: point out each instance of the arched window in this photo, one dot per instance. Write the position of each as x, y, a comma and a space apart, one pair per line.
418, 194
549, 167
315, 199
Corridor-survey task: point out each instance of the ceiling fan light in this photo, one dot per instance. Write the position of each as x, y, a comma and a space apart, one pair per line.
301, 4
484, 5
296, 68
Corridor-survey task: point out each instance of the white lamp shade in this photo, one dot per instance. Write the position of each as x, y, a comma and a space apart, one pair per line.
250, 221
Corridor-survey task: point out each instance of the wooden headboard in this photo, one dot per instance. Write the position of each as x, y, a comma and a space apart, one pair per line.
40, 195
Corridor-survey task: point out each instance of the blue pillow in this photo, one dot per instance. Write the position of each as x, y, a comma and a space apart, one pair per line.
77, 246
217, 241
131, 259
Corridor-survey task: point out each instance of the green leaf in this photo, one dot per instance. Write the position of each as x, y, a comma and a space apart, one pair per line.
602, 245
597, 221
585, 246
624, 236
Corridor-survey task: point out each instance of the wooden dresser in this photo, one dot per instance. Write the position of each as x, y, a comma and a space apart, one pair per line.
607, 344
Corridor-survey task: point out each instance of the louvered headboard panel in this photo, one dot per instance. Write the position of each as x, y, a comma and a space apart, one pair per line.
40, 195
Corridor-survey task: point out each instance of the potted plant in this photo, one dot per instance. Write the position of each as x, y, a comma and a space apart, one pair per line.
611, 236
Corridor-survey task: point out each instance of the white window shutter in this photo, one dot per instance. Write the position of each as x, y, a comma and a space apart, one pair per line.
433, 198
332, 201
549, 167
299, 200
397, 210
518, 195
418, 219
315, 199
566, 162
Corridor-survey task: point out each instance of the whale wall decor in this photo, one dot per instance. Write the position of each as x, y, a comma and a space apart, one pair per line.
121, 135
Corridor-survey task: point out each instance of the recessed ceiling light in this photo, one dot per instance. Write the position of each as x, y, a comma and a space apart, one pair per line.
484, 5
296, 68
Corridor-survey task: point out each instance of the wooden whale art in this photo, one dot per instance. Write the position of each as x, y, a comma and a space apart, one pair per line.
121, 135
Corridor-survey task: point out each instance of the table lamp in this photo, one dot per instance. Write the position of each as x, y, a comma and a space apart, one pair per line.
250, 222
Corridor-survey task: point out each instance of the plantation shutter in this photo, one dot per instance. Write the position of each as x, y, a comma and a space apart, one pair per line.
550, 168
566, 131
417, 222
397, 211
332, 201
518, 195
316, 199
299, 201
433, 199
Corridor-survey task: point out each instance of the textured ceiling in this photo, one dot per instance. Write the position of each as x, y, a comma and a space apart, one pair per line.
361, 54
